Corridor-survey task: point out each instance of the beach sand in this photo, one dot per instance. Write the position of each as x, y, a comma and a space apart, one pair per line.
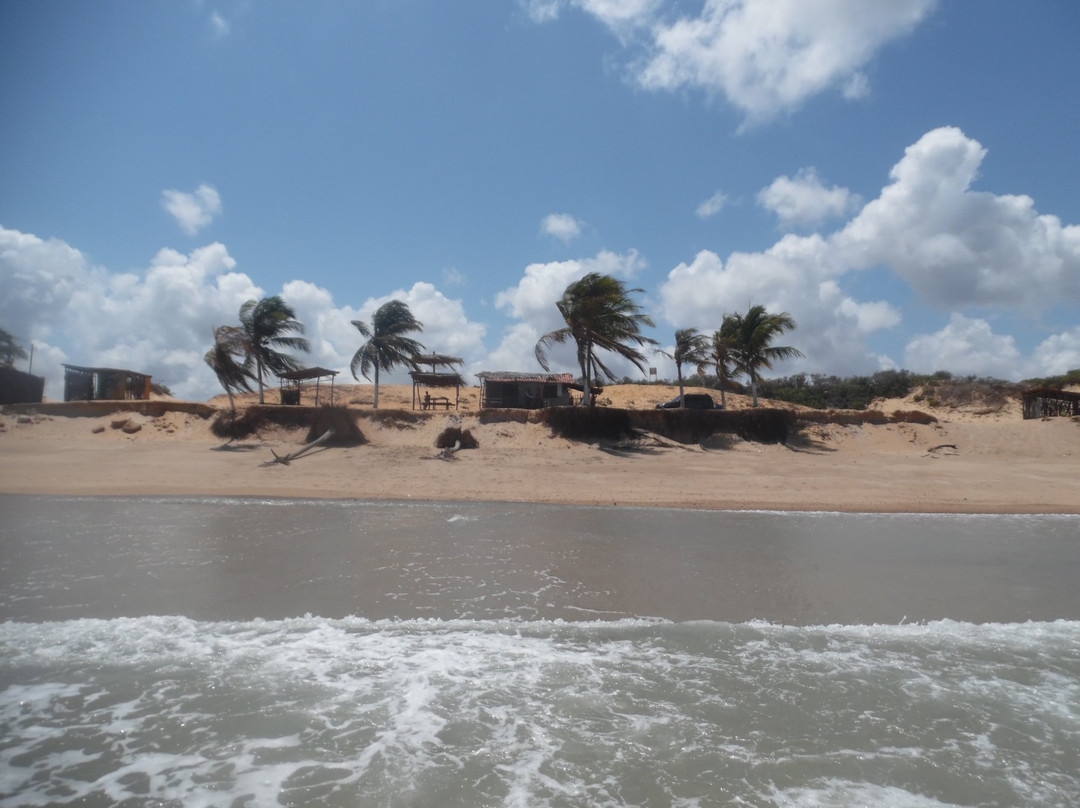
993, 461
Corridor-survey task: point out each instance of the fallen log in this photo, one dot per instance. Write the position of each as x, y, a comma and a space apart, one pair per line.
291, 456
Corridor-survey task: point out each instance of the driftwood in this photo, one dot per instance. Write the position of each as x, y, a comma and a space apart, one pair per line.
291, 456
933, 449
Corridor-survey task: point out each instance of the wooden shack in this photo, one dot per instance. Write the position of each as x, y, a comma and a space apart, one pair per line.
293, 383
109, 384
436, 379
1045, 402
527, 391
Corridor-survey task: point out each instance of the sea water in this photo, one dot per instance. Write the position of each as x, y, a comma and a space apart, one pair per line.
160, 652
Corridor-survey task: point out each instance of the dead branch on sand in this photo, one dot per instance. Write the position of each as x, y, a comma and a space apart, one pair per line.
291, 456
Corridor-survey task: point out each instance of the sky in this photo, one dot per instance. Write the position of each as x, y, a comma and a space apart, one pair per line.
900, 176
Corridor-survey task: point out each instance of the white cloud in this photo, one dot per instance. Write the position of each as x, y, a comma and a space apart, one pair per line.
712, 206
452, 276
159, 321
1058, 354
766, 57
968, 347
618, 15
542, 11
193, 211
958, 247
562, 226
804, 201
796, 275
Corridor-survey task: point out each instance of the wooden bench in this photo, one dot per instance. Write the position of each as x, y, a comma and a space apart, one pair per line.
434, 402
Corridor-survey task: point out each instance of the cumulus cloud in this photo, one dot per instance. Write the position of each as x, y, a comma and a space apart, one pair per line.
1058, 354
712, 206
958, 249
159, 320
767, 58
803, 201
966, 346
192, 211
562, 226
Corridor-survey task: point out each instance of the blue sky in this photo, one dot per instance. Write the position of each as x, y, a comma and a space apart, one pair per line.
900, 176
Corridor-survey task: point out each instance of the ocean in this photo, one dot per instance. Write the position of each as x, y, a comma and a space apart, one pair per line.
242, 652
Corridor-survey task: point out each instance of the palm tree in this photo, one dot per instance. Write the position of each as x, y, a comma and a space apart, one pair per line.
10, 350
754, 350
723, 354
265, 324
691, 348
230, 361
600, 316
387, 346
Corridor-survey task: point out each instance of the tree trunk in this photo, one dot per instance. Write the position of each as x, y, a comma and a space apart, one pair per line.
259, 370
678, 372
376, 404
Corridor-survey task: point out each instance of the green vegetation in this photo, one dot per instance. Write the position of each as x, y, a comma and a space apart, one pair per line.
1071, 377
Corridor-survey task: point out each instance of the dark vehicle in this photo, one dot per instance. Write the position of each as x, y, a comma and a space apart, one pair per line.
694, 401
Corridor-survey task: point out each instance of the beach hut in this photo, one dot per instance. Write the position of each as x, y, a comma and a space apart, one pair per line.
293, 382
108, 384
1045, 402
527, 391
422, 380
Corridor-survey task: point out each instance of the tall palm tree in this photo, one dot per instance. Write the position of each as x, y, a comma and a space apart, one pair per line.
230, 361
387, 346
266, 324
724, 341
600, 316
754, 350
691, 348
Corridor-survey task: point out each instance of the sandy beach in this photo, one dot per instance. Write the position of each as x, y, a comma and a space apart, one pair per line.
971, 461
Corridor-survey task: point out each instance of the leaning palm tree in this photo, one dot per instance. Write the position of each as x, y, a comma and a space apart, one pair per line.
387, 346
691, 348
230, 362
266, 324
724, 342
754, 350
600, 316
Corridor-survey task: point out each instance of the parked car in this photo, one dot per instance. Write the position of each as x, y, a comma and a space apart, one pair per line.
694, 401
